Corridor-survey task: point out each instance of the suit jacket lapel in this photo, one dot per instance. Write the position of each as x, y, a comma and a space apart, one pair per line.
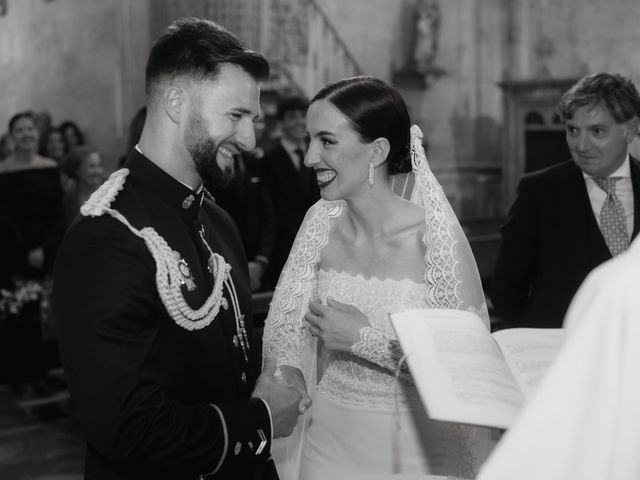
635, 183
569, 197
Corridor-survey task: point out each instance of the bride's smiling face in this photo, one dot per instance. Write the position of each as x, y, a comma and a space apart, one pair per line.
336, 152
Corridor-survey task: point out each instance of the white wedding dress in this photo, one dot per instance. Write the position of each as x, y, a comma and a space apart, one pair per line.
365, 422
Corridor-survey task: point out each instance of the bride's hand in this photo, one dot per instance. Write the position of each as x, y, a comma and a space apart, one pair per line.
337, 324
292, 377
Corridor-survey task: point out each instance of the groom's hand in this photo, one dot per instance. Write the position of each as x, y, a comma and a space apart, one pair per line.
293, 377
283, 402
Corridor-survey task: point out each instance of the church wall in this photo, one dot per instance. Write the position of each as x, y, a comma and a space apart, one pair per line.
80, 61
460, 111
573, 38
372, 30
569, 38
84, 60
481, 43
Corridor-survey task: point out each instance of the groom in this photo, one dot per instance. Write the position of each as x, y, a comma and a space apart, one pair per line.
152, 289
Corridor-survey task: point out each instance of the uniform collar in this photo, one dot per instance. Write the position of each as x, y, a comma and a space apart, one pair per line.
162, 185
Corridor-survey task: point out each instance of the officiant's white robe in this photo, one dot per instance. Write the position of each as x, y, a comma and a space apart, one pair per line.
584, 420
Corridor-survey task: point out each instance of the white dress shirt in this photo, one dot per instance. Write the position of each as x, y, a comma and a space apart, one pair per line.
624, 192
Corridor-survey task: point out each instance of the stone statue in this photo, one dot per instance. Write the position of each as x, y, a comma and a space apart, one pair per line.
427, 27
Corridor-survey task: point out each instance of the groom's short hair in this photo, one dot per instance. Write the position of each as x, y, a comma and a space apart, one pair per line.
196, 48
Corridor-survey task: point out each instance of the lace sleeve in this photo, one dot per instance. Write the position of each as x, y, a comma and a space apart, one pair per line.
285, 330
381, 347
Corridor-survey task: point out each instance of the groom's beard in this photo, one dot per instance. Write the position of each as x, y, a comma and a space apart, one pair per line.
204, 150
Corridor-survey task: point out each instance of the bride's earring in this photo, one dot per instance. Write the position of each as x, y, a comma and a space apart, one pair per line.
372, 174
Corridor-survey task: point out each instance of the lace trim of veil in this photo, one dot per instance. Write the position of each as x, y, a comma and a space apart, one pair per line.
451, 273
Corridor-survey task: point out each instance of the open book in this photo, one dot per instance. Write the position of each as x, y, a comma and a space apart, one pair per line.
466, 374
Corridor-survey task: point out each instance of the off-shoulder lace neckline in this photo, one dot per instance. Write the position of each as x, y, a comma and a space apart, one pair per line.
360, 277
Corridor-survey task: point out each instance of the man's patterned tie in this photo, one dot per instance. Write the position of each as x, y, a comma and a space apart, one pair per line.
612, 221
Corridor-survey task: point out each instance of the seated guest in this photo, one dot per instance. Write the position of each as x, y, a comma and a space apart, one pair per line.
84, 166
30, 209
569, 218
293, 186
584, 421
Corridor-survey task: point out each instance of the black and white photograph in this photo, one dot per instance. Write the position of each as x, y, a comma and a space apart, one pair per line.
319, 239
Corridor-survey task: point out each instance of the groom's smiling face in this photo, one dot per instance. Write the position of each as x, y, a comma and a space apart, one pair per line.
337, 153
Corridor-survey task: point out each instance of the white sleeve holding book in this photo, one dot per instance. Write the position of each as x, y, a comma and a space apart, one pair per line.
584, 420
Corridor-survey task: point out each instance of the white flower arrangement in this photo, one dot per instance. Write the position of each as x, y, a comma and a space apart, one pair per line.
26, 292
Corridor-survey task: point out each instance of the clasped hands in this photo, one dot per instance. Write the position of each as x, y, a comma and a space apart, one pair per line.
284, 388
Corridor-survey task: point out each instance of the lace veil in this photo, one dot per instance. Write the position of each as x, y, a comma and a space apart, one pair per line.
451, 277
451, 272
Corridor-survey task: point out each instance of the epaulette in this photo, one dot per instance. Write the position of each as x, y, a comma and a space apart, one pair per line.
100, 201
169, 276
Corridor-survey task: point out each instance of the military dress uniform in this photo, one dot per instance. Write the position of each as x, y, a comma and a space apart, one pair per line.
160, 395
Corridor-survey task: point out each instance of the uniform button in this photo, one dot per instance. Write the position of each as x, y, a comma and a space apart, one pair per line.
237, 448
244, 377
186, 203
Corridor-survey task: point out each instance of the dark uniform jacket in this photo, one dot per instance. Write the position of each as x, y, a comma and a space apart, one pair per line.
550, 242
293, 193
157, 401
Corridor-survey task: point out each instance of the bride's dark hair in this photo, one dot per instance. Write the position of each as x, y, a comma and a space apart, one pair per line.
375, 110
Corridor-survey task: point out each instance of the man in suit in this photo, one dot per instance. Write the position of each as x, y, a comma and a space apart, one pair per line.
152, 290
569, 218
293, 186
249, 203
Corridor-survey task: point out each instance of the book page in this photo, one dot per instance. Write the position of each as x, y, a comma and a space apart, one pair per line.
529, 353
458, 368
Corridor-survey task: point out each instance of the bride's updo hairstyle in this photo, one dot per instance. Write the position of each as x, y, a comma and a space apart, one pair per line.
374, 110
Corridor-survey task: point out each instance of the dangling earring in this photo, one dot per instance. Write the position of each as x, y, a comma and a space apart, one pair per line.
372, 174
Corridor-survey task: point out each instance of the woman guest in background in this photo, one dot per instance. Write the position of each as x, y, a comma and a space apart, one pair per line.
54, 145
30, 213
361, 253
84, 167
6, 145
72, 134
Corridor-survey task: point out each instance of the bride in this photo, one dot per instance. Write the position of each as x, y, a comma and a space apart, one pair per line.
363, 252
